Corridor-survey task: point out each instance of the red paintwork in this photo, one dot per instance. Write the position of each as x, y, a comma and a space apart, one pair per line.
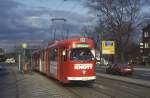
36, 60
65, 68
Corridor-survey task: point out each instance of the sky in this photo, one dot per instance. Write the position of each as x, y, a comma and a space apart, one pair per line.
30, 20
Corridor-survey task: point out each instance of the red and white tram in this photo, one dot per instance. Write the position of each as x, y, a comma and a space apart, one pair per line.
68, 60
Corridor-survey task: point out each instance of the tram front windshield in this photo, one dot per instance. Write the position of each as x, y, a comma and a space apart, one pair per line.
81, 54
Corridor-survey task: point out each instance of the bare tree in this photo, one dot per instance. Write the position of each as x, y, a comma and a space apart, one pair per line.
117, 17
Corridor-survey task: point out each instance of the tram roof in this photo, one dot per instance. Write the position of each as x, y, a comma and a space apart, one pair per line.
68, 41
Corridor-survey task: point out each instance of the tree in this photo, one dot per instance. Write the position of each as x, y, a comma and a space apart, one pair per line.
118, 17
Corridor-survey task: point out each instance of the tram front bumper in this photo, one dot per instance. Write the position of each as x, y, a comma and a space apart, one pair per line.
81, 78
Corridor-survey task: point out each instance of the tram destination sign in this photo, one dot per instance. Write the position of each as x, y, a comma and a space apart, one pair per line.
82, 45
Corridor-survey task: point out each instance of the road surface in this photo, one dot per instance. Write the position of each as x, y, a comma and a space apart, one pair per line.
139, 73
35, 85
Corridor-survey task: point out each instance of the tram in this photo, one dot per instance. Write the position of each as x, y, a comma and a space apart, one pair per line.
68, 60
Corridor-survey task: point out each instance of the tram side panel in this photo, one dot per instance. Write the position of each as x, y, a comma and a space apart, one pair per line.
37, 61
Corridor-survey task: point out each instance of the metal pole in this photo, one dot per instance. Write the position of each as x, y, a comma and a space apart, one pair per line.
67, 34
101, 34
19, 60
57, 19
23, 59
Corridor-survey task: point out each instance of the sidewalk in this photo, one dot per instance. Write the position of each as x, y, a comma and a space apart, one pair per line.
34, 86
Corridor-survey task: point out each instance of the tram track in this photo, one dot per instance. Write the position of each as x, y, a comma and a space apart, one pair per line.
84, 91
102, 89
117, 88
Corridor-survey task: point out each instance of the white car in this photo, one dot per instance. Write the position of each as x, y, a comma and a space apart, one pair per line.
10, 60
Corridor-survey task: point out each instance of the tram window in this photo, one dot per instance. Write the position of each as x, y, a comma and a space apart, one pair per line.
53, 54
81, 54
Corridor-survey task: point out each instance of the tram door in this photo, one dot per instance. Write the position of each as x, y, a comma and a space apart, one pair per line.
63, 62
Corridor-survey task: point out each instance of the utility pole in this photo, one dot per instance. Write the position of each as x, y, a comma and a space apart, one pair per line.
67, 36
101, 38
55, 30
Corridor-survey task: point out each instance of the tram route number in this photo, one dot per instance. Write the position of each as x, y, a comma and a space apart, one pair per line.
83, 66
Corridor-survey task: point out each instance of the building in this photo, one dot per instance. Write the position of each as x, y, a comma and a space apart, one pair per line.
145, 44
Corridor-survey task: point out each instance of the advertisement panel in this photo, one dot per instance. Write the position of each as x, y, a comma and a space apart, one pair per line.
108, 47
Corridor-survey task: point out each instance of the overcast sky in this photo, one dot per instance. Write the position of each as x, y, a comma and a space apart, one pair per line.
24, 20
30, 20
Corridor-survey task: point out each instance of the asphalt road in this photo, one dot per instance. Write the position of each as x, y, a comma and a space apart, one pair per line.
137, 74
119, 89
8, 87
35, 85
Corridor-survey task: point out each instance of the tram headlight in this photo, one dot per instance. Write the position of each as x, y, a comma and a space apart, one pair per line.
73, 45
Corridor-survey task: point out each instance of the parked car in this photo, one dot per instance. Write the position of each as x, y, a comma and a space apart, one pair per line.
10, 60
121, 69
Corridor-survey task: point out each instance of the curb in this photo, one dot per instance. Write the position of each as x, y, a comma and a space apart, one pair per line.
143, 69
124, 79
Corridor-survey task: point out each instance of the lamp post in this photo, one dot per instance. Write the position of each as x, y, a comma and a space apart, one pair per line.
23, 46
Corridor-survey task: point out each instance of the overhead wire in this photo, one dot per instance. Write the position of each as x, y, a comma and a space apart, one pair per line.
70, 12
73, 8
53, 26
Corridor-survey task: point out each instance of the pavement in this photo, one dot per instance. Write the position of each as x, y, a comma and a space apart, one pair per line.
32, 85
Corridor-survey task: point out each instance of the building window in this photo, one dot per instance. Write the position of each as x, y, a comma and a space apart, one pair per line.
141, 45
146, 34
146, 45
